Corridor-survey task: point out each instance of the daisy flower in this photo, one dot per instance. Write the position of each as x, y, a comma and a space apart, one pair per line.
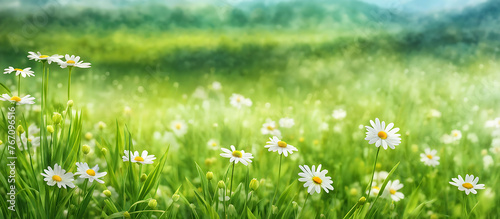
380, 176
282, 147
216, 85
468, 185
286, 122
40, 58
315, 179
179, 127
238, 100
144, 158
339, 114
236, 156
429, 157
87, 173
382, 135
73, 61
391, 190
18, 100
434, 113
58, 176
23, 72
213, 144
35, 141
375, 190
270, 128
222, 197
456, 135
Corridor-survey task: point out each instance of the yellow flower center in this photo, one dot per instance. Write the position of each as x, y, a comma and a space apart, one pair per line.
15, 98
70, 62
43, 56
90, 172
467, 186
301, 139
29, 139
56, 178
455, 134
392, 191
282, 144
270, 128
18, 69
238, 99
317, 180
178, 126
237, 154
376, 187
139, 158
382, 135
429, 156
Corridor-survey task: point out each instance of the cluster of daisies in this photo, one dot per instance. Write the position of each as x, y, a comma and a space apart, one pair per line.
386, 136
315, 178
58, 176
69, 61
271, 128
239, 101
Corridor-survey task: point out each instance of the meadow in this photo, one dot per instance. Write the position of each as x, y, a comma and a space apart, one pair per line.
172, 93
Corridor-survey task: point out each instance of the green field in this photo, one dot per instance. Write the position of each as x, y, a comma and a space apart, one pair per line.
147, 76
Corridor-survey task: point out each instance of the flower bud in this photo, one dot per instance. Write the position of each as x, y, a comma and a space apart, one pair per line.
70, 103
126, 214
20, 129
101, 125
175, 197
353, 192
1, 142
50, 129
295, 205
210, 175
56, 118
85, 149
152, 203
208, 162
254, 184
107, 193
362, 201
104, 151
88, 136
221, 184
144, 177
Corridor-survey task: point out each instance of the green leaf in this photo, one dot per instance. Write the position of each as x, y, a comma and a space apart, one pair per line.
6, 88
204, 184
250, 214
82, 208
153, 177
